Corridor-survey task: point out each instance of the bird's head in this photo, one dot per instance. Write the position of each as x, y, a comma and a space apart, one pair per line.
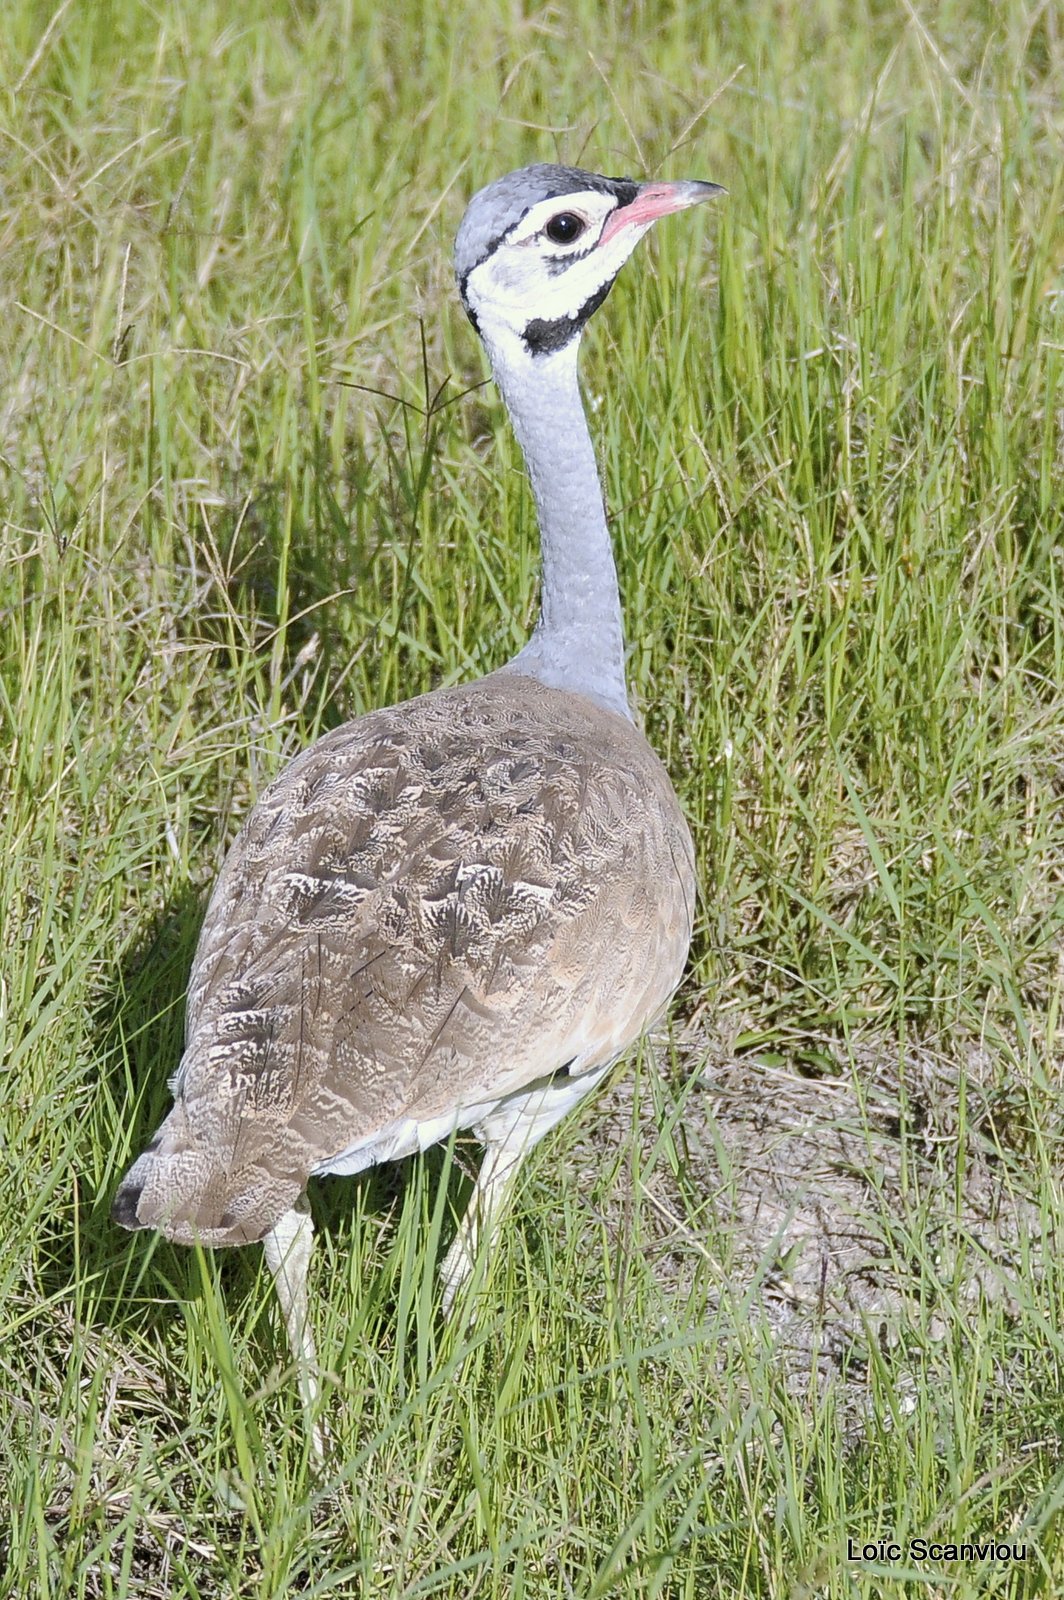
538, 250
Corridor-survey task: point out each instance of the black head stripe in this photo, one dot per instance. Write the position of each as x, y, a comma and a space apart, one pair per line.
559, 264
625, 190
542, 338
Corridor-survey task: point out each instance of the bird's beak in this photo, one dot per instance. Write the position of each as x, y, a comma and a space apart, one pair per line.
656, 200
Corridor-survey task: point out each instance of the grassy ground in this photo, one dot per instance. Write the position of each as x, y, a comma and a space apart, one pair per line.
797, 1280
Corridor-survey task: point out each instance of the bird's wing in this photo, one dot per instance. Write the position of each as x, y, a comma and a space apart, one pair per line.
436, 903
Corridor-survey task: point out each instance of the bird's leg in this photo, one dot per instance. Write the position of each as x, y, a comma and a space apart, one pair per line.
508, 1133
288, 1246
482, 1216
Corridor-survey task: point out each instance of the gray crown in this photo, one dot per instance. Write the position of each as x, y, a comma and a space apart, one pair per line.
496, 210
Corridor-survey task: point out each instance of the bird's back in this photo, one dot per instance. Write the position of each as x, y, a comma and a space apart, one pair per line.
434, 906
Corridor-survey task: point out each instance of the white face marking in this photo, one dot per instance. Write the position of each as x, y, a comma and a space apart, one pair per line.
588, 206
531, 276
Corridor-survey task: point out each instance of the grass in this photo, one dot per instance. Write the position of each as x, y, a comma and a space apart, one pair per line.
831, 422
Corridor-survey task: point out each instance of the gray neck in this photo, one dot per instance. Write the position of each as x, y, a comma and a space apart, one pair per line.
578, 642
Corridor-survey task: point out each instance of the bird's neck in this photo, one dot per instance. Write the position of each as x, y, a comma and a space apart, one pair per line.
578, 642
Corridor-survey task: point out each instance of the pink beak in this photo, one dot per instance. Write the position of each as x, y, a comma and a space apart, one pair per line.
656, 200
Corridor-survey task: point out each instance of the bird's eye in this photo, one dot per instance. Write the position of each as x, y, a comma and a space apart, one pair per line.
564, 228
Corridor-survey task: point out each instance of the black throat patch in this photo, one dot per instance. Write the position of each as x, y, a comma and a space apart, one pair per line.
546, 338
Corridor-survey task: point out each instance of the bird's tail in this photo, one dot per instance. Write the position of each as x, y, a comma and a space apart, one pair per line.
192, 1196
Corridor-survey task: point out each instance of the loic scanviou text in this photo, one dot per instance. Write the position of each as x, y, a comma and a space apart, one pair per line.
888, 1551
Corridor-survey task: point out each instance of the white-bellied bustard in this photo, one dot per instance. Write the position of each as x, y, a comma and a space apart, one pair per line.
457, 912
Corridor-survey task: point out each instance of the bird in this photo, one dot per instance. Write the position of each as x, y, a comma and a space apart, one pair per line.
455, 913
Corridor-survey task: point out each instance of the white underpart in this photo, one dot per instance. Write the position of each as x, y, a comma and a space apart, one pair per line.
535, 1108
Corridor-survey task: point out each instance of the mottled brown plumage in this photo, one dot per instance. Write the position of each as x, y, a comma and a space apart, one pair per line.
432, 907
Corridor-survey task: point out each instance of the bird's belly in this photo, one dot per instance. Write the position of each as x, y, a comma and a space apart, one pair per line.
540, 1105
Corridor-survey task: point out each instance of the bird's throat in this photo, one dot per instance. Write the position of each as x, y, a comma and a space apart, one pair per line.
578, 642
